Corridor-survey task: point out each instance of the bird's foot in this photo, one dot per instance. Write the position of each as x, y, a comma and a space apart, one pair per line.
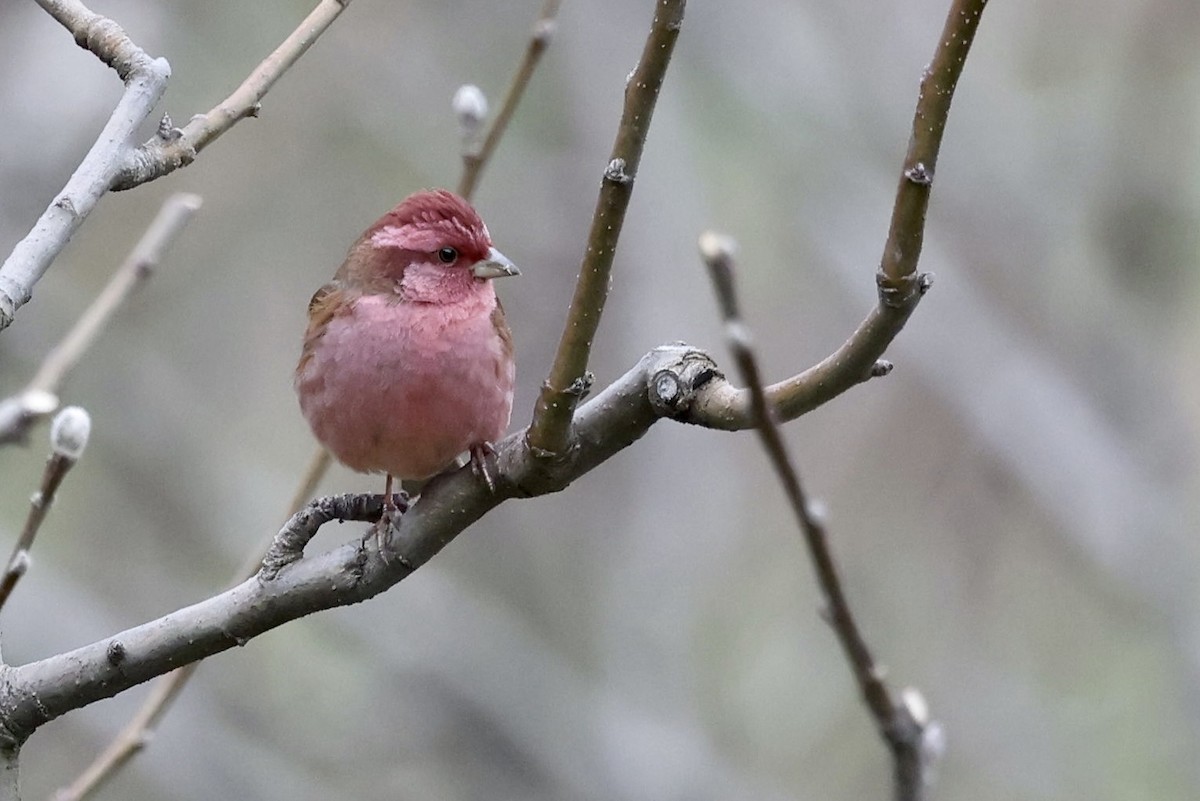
483, 463
382, 531
394, 505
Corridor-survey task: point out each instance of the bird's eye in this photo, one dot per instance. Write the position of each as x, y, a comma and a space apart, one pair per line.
447, 255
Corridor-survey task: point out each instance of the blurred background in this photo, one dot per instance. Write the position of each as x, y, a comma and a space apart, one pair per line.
1014, 508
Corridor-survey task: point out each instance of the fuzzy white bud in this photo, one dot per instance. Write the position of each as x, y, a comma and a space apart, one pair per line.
714, 246
471, 107
69, 431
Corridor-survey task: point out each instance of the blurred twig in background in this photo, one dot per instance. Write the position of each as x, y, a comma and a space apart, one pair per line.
476, 155
68, 438
902, 722
39, 398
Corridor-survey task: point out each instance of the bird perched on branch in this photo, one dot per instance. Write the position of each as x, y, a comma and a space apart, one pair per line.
408, 360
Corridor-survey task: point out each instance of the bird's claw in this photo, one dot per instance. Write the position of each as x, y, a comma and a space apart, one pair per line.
483, 463
383, 534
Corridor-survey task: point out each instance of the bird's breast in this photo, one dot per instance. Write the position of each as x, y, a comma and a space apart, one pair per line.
405, 387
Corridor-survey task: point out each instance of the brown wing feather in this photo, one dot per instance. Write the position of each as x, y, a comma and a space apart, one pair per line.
326, 303
501, 324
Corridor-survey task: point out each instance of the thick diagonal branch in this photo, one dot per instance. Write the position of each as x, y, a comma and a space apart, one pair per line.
662, 384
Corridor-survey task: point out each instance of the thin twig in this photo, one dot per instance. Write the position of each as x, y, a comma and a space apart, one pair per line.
165, 154
40, 396
900, 286
569, 380
901, 731
938, 82
68, 438
476, 158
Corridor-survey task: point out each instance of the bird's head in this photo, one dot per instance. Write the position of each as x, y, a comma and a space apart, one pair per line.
433, 248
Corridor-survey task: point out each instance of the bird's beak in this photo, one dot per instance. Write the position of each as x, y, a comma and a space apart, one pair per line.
496, 265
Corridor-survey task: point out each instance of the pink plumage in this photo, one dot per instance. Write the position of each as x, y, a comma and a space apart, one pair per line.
408, 361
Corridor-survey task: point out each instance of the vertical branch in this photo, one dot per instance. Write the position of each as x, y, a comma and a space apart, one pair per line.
907, 231
569, 380
902, 724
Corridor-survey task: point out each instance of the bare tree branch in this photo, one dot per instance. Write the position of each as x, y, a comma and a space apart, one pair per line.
40, 396
113, 163
32, 694
145, 81
900, 286
901, 729
476, 158
569, 380
164, 154
907, 232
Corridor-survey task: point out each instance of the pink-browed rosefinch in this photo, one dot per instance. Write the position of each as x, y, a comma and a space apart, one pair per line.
407, 360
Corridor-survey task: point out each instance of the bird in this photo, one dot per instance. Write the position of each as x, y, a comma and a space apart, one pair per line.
407, 361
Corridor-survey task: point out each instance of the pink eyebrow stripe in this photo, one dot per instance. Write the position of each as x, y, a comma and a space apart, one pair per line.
395, 236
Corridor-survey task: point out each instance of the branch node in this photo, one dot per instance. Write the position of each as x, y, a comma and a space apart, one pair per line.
167, 132
880, 368
543, 454
288, 545
919, 175
115, 653
817, 511
615, 172
898, 293
666, 392
581, 386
